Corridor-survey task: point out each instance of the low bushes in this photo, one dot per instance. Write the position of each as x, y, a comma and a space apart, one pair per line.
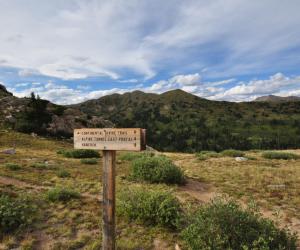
62, 173
89, 161
130, 156
222, 224
61, 194
156, 169
152, 207
280, 155
204, 155
15, 213
233, 153
39, 165
13, 166
80, 153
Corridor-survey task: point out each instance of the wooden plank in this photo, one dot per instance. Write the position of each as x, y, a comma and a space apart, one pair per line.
108, 217
131, 139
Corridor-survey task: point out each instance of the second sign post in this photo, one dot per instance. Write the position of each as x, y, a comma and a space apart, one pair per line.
110, 140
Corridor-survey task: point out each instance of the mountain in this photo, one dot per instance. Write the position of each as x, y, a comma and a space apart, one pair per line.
274, 98
43, 117
4, 92
175, 120
179, 121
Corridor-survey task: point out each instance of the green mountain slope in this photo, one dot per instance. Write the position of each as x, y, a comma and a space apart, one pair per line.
43, 117
179, 121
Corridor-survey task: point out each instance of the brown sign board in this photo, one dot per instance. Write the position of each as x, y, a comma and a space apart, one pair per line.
124, 139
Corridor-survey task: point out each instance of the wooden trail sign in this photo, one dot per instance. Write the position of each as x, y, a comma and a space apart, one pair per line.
109, 140
129, 139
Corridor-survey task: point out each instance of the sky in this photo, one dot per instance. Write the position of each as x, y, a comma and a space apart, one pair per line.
75, 50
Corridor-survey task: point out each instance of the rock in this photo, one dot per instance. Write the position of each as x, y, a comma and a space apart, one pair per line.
34, 135
10, 151
241, 159
177, 247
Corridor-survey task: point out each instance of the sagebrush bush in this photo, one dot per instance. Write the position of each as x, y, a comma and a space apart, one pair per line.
130, 156
156, 169
62, 173
80, 153
222, 224
204, 155
89, 161
61, 194
15, 213
233, 153
280, 155
13, 166
151, 207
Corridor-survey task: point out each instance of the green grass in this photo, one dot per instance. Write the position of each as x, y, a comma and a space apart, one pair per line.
233, 153
62, 194
62, 173
89, 161
280, 155
131, 156
204, 155
80, 153
39, 165
13, 166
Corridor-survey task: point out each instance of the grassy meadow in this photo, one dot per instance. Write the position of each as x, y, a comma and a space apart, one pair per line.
72, 219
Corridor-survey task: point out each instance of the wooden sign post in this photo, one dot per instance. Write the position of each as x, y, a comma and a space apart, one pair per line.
109, 140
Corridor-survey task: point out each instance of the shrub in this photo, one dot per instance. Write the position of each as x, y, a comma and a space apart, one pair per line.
233, 153
157, 169
152, 207
15, 213
62, 173
39, 165
280, 155
89, 161
222, 224
130, 156
61, 194
204, 155
81, 153
12, 166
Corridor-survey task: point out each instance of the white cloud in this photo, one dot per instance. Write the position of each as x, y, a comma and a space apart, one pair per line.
277, 84
190, 80
24, 84
76, 39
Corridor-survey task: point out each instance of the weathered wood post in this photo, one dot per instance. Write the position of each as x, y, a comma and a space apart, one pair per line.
108, 216
109, 140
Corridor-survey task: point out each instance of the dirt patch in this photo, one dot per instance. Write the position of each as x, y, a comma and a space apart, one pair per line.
201, 191
19, 184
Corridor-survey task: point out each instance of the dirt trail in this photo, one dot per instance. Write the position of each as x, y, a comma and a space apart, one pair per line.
200, 191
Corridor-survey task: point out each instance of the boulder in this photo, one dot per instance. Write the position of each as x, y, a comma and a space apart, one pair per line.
241, 159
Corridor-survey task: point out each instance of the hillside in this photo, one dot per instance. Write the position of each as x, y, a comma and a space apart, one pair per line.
274, 98
179, 121
175, 120
36, 170
43, 117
